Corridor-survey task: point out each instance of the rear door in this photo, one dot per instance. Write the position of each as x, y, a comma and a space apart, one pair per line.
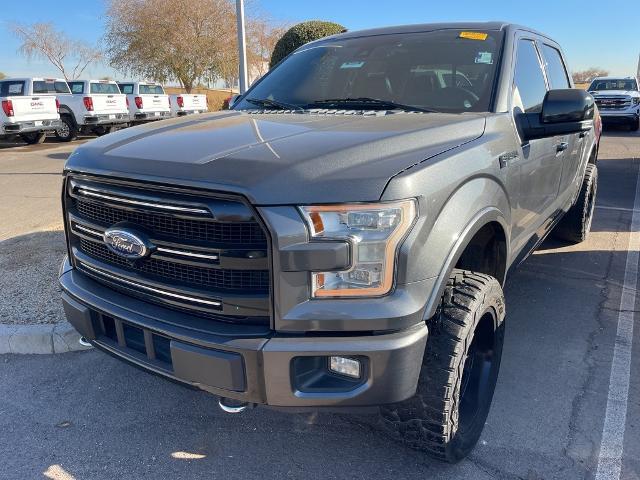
107, 98
29, 108
571, 148
153, 98
540, 169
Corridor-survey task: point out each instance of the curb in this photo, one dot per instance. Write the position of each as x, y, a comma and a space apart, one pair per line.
39, 339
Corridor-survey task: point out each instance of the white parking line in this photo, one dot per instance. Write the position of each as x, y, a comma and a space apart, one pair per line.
612, 443
617, 209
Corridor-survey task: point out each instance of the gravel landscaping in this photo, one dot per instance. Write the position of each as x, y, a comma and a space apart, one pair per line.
29, 284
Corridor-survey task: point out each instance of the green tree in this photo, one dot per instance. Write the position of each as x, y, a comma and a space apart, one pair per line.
300, 34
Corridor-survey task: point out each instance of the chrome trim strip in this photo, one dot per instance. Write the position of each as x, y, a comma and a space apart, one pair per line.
90, 231
82, 190
187, 254
151, 289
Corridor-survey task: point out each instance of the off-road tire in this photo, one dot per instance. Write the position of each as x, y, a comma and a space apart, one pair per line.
576, 223
69, 130
437, 420
34, 138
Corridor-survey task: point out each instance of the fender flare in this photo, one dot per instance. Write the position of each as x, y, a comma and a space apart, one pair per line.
479, 220
65, 110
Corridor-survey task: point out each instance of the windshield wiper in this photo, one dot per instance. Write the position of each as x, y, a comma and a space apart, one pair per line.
267, 102
368, 101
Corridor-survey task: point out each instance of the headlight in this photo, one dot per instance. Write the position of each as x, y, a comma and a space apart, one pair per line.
635, 100
374, 231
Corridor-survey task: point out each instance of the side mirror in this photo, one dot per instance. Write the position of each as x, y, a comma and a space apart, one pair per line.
564, 111
234, 99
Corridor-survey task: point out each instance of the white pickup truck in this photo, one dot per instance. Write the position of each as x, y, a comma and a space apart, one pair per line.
187, 103
92, 106
147, 101
29, 108
618, 100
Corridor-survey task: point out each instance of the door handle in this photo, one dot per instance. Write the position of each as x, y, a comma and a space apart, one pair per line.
561, 147
584, 134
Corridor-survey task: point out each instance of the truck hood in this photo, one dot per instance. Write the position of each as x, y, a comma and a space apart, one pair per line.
606, 93
279, 158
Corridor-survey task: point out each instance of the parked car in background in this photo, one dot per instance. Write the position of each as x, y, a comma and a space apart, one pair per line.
147, 101
187, 104
618, 100
30, 107
91, 106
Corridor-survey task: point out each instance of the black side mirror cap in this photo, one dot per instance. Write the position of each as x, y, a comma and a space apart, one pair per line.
564, 111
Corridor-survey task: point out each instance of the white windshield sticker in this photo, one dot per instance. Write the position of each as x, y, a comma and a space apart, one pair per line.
484, 57
352, 65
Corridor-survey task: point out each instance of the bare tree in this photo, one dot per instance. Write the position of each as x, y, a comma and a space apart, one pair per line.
2, 75
263, 34
181, 40
42, 40
584, 76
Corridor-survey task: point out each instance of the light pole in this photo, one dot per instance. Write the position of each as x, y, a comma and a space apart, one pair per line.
242, 46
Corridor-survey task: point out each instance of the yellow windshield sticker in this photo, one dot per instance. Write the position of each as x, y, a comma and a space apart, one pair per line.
474, 35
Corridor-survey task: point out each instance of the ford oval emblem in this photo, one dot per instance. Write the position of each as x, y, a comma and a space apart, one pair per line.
125, 243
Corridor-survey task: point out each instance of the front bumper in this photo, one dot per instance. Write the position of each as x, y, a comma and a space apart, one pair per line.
31, 126
622, 116
248, 363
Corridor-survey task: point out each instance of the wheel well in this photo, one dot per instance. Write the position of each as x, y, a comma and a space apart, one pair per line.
486, 252
593, 158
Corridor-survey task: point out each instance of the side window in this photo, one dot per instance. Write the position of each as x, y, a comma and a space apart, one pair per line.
556, 69
76, 87
529, 87
126, 88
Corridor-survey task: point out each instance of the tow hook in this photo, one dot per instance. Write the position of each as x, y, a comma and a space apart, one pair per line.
229, 405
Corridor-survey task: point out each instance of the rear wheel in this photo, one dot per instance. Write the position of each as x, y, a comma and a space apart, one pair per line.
34, 138
576, 223
68, 131
459, 371
101, 130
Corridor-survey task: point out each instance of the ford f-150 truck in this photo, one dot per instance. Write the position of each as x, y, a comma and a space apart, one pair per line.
29, 107
187, 103
147, 101
93, 106
341, 237
618, 100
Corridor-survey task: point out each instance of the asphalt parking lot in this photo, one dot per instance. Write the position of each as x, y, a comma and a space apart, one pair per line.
85, 415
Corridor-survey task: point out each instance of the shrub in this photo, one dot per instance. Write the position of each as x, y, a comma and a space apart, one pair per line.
300, 34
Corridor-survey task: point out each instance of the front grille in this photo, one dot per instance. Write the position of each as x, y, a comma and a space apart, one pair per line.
613, 102
172, 227
208, 255
256, 281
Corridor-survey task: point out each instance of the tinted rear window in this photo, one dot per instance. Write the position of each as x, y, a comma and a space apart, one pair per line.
104, 88
11, 88
76, 87
126, 88
151, 89
49, 86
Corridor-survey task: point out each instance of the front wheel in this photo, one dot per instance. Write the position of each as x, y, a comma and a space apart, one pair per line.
33, 138
634, 126
459, 371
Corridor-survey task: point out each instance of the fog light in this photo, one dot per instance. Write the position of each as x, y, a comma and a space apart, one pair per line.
345, 366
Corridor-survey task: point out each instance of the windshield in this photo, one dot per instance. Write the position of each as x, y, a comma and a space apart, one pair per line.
104, 88
446, 70
151, 89
614, 84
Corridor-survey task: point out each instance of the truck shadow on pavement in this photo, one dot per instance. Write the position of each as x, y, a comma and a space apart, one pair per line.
96, 417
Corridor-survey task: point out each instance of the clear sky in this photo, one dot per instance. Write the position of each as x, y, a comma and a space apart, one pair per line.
592, 33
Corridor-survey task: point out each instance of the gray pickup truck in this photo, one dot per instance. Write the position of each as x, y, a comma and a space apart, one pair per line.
341, 237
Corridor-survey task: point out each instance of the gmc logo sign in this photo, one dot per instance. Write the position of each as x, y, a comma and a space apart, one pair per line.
111, 102
37, 104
